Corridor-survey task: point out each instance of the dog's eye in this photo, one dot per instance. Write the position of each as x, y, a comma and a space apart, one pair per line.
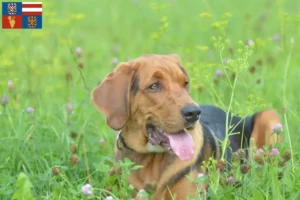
186, 84
154, 87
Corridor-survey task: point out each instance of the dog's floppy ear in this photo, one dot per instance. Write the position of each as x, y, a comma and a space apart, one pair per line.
111, 97
262, 128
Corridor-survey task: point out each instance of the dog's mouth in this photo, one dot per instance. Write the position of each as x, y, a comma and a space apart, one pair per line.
181, 142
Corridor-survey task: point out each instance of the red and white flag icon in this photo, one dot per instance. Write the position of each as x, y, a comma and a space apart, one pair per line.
31, 8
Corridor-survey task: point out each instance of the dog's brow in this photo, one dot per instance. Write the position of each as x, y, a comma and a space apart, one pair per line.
157, 74
185, 72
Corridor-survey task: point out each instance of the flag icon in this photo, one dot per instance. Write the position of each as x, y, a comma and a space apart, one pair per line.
22, 15
32, 8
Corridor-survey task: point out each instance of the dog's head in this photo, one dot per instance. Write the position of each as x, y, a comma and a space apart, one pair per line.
149, 98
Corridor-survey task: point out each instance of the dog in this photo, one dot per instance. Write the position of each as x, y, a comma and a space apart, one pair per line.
163, 129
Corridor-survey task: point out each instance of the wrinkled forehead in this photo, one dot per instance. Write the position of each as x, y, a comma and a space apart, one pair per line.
159, 65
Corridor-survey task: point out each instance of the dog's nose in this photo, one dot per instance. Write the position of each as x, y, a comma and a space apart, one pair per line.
191, 113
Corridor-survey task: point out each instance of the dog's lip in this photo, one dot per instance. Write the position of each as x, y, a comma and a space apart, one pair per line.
190, 126
165, 132
181, 142
156, 136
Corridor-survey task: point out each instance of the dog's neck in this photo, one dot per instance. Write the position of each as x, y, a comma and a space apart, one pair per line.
149, 159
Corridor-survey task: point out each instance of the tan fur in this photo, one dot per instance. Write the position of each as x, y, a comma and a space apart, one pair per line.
261, 134
161, 109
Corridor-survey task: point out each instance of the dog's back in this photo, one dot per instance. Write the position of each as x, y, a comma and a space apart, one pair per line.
257, 126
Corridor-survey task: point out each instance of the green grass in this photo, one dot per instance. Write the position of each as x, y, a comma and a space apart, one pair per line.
39, 62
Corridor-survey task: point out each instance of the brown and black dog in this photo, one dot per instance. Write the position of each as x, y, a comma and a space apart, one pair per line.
163, 129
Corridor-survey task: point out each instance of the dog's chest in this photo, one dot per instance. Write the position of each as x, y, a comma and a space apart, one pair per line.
149, 175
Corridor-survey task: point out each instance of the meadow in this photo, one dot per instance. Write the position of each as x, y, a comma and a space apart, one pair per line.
240, 55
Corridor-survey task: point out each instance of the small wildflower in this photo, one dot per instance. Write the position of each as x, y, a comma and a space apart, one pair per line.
221, 165
230, 180
4, 100
141, 193
141, 190
280, 175
241, 153
219, 73
282, 162
73, 148
277, 128
10, 85
258, 81
200, 175
259, 151
101, 141
130, 186
276, 37
74, 159
73, 134
87, 189
250, 43
109, 198
68, 76
231, 50
244, 168
115, 61
225, 61
287, 155
55, 171
275, 152
259, 61
283, 110
259, 159
235, 157
252, 69
233, 75
78, 52
30, 110
80, 64
69, 108
115, 48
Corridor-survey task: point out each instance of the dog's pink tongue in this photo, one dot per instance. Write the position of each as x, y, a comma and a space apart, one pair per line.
182, 145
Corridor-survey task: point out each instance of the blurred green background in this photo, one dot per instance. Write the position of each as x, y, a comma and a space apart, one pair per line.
47, 74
